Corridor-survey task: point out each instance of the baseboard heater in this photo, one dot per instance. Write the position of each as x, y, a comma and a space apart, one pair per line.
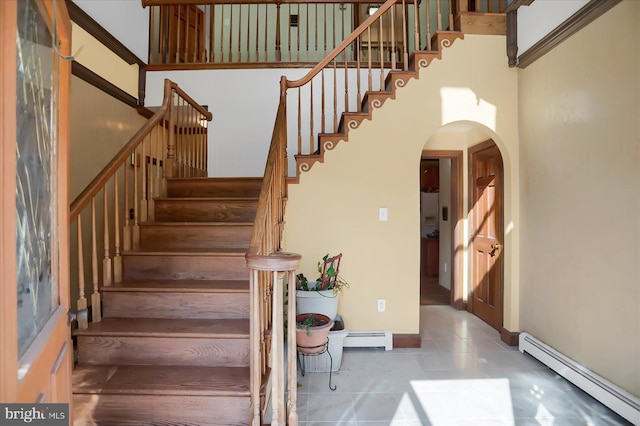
614, 397
369, 339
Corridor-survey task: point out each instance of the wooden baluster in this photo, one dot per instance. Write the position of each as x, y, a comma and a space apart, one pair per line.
317, 27
258, 28
230, 32
117, 259
358, 95
342, 9
428, 25
381, 51
240, 33
335, 98
126, 232
393, 37
249, 32
405, 41
440, 15
95, 296
478, 6
266, 31
221, 39
300, 125
416, 24
179, 9
186, 39
323, 120
153, 144
306, 8
278, 53
292, 352
370, 67
144, 207
298, 33
325, 29
255, 326
162, 46
311, 138
82, 300
346, 82
212, 21
153, 43
135, 235
277, 351
193, 119
450, 28
107, 274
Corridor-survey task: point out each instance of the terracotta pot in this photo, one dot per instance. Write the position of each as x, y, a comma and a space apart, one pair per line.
313, 340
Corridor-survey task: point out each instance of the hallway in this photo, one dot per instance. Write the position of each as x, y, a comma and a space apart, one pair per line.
462, 375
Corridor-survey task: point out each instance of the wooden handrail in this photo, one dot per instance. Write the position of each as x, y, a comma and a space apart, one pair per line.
83, 199
270, 168
342, 46
146, 3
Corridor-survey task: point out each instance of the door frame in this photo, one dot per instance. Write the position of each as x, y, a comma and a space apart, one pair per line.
11, 390
457, 299
8, 293
472, 228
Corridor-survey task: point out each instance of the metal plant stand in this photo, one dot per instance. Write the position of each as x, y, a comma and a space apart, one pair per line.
324, 348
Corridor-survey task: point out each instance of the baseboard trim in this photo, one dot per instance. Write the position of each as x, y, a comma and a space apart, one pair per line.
406, 340
511, 338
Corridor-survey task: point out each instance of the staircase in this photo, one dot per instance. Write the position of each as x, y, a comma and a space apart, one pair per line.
173, 344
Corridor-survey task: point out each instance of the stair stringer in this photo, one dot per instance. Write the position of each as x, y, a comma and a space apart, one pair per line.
373, 100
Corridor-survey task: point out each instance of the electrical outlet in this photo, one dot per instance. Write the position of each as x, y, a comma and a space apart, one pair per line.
383, 214
382, 305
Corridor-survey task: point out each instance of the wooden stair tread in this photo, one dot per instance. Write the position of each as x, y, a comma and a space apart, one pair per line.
161, 380
183, 286
200, 224
230, 252
194, 199
161, 327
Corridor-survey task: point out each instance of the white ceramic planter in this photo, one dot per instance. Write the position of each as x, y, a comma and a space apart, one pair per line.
322, 302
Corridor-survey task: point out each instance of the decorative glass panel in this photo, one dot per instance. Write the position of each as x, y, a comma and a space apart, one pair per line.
36, 173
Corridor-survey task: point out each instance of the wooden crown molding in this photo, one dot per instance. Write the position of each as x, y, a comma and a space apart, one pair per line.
583, 17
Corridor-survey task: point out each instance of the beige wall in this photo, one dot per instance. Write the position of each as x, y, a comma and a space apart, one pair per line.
334, 208
580, 194
100, 126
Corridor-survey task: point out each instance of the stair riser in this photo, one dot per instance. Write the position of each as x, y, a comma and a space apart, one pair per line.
185, 210
202, 352
128, 304
164, 409
184, 236
176, 267
185, 188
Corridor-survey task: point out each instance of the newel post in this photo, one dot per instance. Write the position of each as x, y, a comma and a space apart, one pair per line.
171, 143
282, 268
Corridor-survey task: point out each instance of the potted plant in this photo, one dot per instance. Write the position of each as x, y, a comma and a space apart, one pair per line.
312, 330
321, 295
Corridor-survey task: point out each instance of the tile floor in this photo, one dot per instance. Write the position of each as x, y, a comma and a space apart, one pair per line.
462, 375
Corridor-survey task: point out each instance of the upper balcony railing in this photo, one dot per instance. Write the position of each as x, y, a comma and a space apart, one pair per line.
192, 34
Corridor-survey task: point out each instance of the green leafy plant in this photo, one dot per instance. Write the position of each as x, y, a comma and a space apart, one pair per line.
329, 278
310, 320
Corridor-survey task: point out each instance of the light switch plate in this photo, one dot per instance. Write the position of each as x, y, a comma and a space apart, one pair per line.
383, 214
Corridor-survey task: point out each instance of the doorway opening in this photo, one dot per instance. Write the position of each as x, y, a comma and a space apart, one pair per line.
440, 228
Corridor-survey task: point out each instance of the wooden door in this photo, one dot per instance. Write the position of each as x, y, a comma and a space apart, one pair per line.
486, 215
36, 357
186, 33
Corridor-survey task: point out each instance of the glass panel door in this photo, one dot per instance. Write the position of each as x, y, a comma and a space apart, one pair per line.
36, 174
